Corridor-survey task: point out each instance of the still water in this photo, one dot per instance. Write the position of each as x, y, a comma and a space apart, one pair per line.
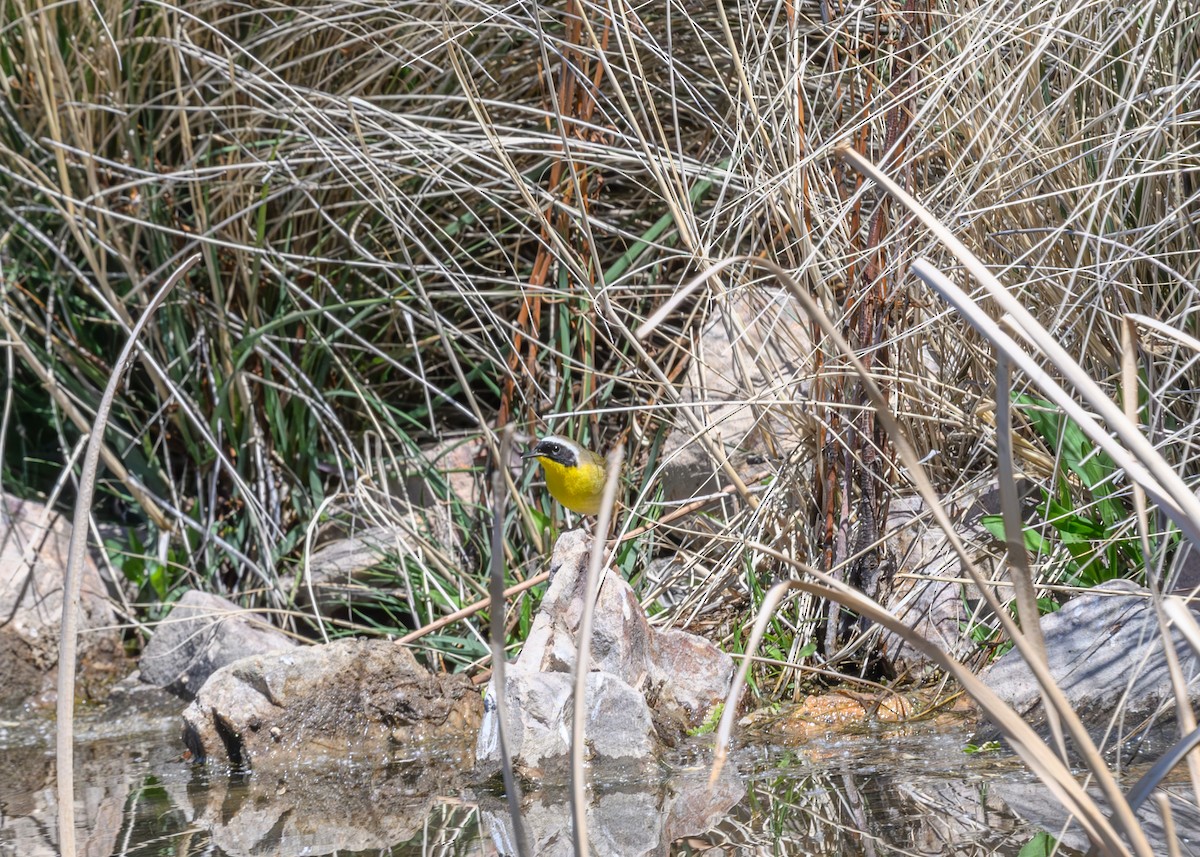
888, 791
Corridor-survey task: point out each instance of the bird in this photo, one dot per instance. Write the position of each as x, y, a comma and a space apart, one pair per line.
574, 474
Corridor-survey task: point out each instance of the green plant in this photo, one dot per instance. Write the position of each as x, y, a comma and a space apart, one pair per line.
1081, 524
1041, 845
710, 721
158, 582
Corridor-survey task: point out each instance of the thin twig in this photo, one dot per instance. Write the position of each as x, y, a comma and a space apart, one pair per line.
1014, 538
579, 835
472, 609
512, 792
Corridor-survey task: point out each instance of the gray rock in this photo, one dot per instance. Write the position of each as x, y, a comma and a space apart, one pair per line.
756, 341
618, 726
34, 543
344, 571
645, 686
1034, 803
338, 570
688, 674
459, 462
202, 634
621, 635
928, 595
1106, 654
350, 699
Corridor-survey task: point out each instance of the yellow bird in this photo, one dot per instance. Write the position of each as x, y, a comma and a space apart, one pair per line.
574, 475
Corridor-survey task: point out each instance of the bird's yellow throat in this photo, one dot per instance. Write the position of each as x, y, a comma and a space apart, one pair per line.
579, 488
574, 475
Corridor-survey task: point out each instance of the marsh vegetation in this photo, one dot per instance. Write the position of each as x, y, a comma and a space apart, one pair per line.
418, 224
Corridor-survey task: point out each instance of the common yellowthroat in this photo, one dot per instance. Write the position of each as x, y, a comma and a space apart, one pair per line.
574, 475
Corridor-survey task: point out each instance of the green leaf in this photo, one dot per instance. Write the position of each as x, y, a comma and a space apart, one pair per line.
1067, 520
1093, 466
1042, 414
1081, 548
1042, 845
1034, 542
158, 579
541, 519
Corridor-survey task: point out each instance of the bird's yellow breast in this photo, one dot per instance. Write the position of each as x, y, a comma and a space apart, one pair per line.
578, 488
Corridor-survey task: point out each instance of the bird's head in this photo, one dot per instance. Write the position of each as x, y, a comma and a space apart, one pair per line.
555, 448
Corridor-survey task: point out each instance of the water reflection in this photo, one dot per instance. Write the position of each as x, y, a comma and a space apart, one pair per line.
111, 775
349, 808
890, 792
625, 818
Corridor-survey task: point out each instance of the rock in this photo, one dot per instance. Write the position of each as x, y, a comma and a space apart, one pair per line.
645, 686
343, 572
202, 634
338, 570
928, 593
618, 727
620, 643
676, 655
458, 462
829, 714
34, 543
350, 699
668, 576
1105, 653
761, 332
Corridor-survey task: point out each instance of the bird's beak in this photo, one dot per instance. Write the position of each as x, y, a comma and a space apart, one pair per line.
533, 453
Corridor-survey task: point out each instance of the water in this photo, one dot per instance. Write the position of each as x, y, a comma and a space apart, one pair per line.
887, 791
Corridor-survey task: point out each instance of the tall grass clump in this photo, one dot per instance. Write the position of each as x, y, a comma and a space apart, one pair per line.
420, 223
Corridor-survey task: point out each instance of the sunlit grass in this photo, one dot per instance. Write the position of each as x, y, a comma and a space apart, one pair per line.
423, 223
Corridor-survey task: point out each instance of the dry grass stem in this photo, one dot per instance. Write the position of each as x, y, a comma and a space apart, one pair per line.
595, 571
73, 576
